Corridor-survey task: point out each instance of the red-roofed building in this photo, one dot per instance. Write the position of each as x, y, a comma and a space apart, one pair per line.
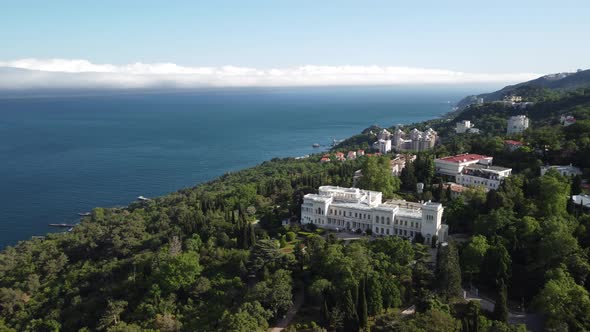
340, 156
511, 145
360, 153
454, 165
456, 189
325, 159
567, 120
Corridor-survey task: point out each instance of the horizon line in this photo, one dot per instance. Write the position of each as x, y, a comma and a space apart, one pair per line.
31, 73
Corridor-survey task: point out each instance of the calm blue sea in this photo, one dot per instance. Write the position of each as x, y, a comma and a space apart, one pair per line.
63, 155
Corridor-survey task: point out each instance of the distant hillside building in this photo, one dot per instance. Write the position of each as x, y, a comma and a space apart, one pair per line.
567, 170
453, 165
513, 99
465, 126
512, 145
567, 120
356, 209
517, 124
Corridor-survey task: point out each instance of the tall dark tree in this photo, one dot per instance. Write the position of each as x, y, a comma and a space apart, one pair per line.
471, 322
351, 319
374, 296
408, 177
501, 306
325, 313
448, 271
363, 311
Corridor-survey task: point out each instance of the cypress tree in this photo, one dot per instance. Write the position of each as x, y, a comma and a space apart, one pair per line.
325, 312
363, 312
252, 235
374, 297
448, 271
501, 306
471, 322
350, 315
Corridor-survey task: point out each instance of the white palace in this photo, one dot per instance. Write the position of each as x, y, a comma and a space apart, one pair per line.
353, 209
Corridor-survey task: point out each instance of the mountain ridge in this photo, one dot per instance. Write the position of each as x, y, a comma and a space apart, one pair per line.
534, 89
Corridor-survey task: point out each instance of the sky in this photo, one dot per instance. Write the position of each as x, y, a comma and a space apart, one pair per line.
284, 42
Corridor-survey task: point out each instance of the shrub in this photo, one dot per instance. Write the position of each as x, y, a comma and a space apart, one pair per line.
290, 236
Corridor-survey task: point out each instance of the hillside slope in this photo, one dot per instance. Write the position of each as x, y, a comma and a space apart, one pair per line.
536, 89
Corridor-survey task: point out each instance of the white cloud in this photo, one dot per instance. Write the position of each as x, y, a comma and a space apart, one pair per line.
78, 73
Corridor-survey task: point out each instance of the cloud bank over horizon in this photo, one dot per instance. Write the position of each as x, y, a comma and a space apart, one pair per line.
78, 73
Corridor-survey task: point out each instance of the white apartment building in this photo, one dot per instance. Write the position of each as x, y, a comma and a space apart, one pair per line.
384, 145
567, 170
353, 209
453, 165
416, 140
517, 124
384, 134
463, 126
487, 176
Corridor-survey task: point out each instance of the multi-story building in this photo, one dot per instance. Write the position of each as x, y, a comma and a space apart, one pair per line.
453, 165
517, 124
399, 163
356, 209
487, 176
384, 145
416, 140
384, 134
464, 127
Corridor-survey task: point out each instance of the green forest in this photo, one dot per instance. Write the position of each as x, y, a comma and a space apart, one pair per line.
228, 255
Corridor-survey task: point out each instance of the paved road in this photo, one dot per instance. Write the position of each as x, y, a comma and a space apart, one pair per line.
283, 323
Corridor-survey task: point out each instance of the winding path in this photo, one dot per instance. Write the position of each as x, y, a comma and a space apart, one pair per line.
286, 320
533, 321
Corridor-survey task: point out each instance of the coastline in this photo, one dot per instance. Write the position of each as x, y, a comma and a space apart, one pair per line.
156, 144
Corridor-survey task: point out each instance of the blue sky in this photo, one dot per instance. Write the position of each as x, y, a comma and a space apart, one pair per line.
466, 36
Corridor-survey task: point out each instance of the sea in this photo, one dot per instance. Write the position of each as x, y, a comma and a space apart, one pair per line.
65, 154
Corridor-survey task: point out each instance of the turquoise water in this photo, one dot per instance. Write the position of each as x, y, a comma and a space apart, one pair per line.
64, 155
